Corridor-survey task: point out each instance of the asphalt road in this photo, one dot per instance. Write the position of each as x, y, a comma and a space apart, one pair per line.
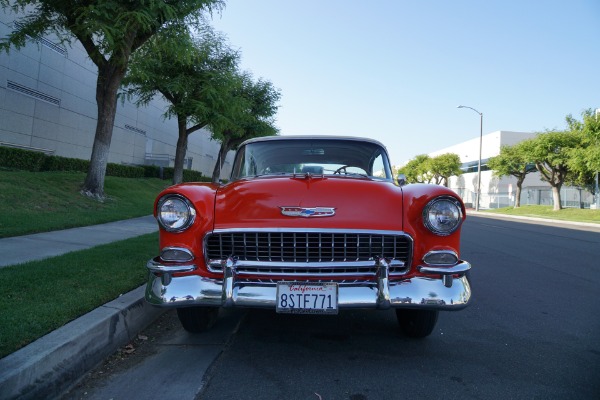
532, 332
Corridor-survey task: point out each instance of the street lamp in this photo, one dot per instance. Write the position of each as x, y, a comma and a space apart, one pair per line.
597, 189
479, 163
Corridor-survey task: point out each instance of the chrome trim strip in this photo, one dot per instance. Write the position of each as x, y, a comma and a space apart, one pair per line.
323, 275
311, 269
295, 265
310, 230
418, 292
461, 268
157, 266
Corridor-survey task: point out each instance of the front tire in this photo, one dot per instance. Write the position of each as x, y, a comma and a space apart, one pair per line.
417, 323
197, 319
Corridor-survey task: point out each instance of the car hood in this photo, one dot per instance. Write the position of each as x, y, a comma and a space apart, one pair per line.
358, 203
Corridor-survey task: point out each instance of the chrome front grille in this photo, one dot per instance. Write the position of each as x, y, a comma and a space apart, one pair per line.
327, 253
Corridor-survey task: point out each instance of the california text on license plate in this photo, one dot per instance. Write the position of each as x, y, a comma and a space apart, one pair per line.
307, 298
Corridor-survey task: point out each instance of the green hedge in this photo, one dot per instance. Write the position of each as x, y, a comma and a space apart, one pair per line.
58, 163
37, 162
188, 175
124, 171
22, 159
151, 171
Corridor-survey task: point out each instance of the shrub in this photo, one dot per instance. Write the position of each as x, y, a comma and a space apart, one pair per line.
193, 176
58, 163
151, 171
21, 159
168, 173
36, 161
124, 171
188, 175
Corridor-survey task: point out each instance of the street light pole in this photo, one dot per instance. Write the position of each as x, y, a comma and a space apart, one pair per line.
597, 188
479, 162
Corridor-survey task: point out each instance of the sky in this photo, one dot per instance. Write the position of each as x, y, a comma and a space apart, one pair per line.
396, 70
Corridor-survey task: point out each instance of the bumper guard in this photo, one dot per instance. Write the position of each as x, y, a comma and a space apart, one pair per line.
451, 292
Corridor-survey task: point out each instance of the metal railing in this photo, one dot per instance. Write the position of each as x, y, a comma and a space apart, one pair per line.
571, 197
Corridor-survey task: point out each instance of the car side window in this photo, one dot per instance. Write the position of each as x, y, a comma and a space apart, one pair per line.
378, 167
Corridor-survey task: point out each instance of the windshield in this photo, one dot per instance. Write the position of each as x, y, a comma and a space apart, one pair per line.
312, 156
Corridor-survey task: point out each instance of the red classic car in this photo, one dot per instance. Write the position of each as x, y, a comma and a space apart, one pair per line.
310, 224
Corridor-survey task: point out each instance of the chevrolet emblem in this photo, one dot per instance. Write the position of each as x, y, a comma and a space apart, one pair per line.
308, 212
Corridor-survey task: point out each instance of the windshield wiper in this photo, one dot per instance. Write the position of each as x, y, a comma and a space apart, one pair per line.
272, 174
355, 174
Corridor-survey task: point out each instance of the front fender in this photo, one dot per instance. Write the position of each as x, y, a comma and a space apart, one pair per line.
202, 196
415, 197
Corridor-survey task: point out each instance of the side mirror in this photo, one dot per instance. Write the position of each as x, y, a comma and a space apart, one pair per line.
401, 179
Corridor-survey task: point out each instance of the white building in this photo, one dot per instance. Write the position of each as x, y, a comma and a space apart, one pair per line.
500, 192
48, 103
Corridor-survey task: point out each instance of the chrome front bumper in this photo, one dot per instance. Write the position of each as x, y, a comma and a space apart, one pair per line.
448, 293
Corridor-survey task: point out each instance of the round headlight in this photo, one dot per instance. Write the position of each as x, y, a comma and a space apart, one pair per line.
175, 213
442, 215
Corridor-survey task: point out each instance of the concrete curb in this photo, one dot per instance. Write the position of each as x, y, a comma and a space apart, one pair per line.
49, 366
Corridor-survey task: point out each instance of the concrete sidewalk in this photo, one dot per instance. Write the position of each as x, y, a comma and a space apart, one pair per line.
47, 367
21, 249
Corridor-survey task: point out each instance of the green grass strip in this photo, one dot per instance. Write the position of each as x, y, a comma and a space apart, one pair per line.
41, 296
32, 202
566, 214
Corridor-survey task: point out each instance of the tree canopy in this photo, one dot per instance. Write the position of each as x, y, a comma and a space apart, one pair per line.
255, 118
417, 169
550, 153
195, 73
438, 170
515, 161
584, 160
443, 167
110, 31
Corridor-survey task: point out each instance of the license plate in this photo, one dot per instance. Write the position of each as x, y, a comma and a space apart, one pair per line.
307, 298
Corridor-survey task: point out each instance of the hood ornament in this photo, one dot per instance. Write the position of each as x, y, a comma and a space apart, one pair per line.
306, 212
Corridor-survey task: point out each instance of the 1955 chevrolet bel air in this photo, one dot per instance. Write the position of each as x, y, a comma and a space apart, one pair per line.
310, 224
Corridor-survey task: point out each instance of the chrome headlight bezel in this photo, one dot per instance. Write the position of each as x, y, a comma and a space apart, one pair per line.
175, 220
443, 215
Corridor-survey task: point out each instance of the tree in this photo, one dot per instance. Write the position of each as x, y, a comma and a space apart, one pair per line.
550, 153
193, 73
443, 167
110, 31
254, 119
516, 161
417, 169
584, 160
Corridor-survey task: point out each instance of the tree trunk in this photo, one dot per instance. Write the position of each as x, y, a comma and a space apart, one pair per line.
181, 150
223, 150
217, 170
518, 192
556, 198
107, 85
555, 176
518, 196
